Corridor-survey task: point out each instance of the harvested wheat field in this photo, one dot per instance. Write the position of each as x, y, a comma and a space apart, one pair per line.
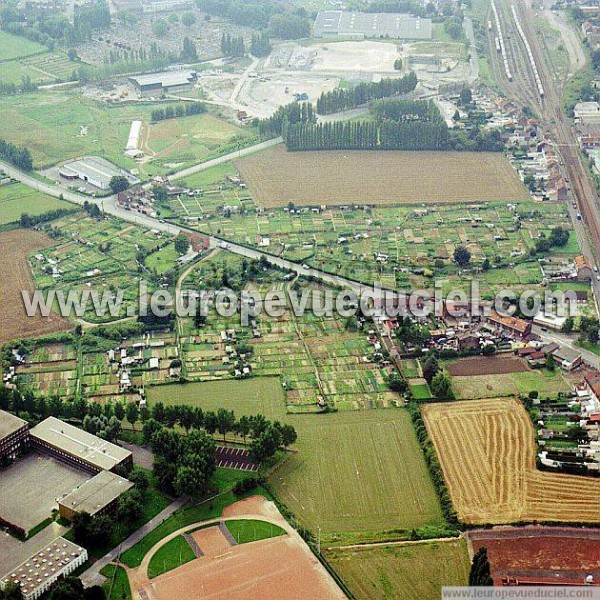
487, 452
277, 177
15, 275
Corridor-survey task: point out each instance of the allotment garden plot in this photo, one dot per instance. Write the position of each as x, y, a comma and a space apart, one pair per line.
401, 247
487, 452
276, 177
319, 360
96, 254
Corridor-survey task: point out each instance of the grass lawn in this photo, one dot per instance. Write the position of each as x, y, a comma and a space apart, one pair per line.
13, 46
357, 475
117, 585
173, 554
409, 572
420, 391
16, 199
595, 348
163, 260
188, 516
547, 383
248, 397
246, 530
211, 176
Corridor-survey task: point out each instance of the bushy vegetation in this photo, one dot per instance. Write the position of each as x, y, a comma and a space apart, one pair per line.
17, 156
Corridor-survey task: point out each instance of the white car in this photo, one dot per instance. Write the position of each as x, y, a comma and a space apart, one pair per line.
305, 267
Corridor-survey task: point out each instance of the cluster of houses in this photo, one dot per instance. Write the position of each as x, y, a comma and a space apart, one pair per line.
587, 122
239, 361
578, 430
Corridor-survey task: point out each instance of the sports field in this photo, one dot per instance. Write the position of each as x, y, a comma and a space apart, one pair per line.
15, 274
16, 199
410, 572
487, 452
276, 177
357, 473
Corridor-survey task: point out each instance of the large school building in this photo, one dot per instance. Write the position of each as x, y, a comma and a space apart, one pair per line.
14, 435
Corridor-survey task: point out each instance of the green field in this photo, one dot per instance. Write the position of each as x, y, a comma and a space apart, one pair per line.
246, 530
117, 585
12, 46
50, 124
163, 260
16, 199
375, 480
420, 391
357, 475
249, 397
547, 383
173, 554
412, 572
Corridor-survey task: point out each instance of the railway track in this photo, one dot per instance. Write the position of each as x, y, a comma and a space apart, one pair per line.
524, 51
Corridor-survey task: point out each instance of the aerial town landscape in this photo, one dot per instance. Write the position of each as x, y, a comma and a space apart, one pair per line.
289, 159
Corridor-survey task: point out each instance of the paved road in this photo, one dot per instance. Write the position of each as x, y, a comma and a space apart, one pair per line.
93, 576
473, 56
568, 341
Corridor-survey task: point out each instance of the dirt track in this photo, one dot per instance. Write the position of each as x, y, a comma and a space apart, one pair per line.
255, 570
487, 452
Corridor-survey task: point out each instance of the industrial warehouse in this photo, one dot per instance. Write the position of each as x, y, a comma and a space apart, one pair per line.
94, 171
337, 23
167, 82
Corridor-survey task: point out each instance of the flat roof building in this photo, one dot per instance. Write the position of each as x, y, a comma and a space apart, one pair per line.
78, 447
14, 432
94, 170
97, 496
38, 573
166, 82
337, 23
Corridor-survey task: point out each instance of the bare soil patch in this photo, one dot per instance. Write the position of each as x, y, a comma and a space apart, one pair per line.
15, 274
487, 365
557, 555
276, 177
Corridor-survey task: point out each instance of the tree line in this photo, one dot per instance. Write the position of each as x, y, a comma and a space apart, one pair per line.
18, 156
260, 45
9, 88
232, 45
398, 124
177, 111
343, 99
184, 464
281, 22
290, 114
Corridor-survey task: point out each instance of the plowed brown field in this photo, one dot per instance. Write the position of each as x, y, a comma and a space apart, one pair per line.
276, 177
15, 275
487, 452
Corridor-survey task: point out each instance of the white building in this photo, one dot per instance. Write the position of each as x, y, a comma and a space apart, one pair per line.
38, 573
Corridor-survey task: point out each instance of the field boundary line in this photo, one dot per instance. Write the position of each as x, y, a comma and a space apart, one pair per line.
448, 539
